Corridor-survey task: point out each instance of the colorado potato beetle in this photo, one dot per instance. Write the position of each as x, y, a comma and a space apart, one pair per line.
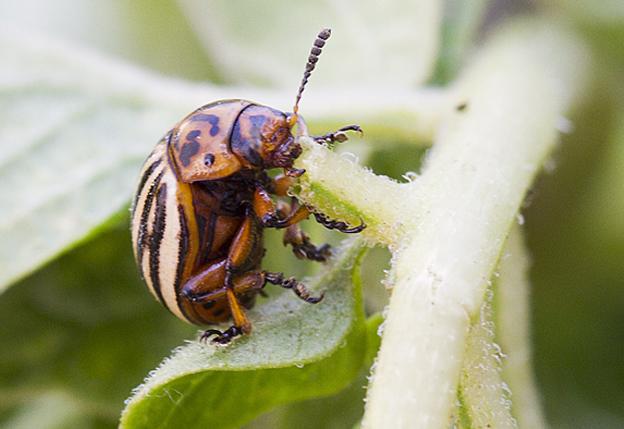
204, 198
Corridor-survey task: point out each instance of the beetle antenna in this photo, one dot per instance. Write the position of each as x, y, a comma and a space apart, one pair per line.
316, 50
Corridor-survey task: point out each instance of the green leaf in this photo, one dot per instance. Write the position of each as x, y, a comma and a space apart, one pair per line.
73, 139
339, 411
296, 351
264, 42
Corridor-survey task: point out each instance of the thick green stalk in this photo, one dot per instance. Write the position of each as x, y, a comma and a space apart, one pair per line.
511, 303
473, 183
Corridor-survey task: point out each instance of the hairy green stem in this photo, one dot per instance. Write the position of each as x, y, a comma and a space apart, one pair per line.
485, 395
511, 303
473, 183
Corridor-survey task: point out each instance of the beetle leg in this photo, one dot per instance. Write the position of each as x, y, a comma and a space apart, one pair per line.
264, 207
205, 281
238, 314
338, 225
257, 280
222, 337
246, 250
302, 247
245, 254
242, 325
242, 284
338, 135
291, 283
269, 215
281, 183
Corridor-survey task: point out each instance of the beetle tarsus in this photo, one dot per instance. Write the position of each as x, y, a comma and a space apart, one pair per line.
222, 337
291, 283
339, 225
294, 172
339, 135
309, 251
209, 333
303, 248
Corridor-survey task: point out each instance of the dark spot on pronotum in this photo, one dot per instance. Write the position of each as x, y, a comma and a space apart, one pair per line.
461, 106
212, 119
192, 135
209, 159
189, 150
208, 304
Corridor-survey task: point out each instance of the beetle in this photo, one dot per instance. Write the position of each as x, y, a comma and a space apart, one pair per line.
204, 198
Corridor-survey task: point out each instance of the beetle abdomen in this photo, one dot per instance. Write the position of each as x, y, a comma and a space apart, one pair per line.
178, 229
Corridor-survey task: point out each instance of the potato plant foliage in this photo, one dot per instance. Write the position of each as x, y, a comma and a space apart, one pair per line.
485, 292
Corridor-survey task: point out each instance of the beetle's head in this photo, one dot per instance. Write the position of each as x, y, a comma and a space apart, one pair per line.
262, 138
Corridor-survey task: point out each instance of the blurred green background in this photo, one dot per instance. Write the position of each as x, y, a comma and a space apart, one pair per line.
80, 333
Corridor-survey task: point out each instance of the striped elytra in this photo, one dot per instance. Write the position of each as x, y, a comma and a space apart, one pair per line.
204, 199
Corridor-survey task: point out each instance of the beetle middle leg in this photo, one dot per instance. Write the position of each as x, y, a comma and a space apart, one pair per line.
284, 215
256, 281
301, 245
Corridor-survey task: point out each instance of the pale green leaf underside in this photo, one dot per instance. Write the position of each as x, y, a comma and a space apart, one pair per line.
70, 149
268, 42
296, 351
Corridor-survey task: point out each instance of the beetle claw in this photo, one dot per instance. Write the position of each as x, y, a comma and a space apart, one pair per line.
209, 333
222, 337
338, 225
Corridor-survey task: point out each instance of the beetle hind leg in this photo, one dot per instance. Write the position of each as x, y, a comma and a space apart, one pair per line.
339, 135
222, 337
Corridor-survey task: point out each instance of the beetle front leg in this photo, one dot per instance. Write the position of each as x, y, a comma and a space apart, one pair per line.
339, 135
338, 225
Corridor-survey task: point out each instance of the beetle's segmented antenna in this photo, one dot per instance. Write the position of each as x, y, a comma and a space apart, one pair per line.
312, 59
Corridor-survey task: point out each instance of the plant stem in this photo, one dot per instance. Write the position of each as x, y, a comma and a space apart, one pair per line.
342, 189
473, 183
512, 333
485, 394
